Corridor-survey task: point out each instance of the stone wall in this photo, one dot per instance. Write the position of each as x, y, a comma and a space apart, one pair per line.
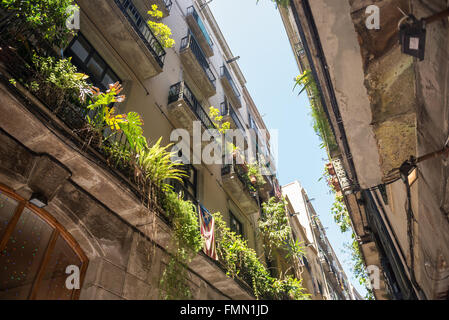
100, 210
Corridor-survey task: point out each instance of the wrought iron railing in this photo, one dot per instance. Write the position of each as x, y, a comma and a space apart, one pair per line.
190, 42
225, 73
168, 4
236, 119
191, 11
181, 91
226, 109
240, 172
140, 25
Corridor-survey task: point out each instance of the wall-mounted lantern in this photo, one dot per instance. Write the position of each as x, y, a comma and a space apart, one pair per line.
412, 33
412, 37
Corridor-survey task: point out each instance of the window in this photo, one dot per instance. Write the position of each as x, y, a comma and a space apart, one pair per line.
189, 185
87, 59
236, 225
34, 253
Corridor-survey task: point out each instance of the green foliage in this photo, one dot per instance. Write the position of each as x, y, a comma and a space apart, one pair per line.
340, 214
342, 219
222, 127
274, 227
217, 119
47, 17
254, 171
188, 242
59, 80
104, 115
240, 260
185, 221
161, 31
157, 167
320, 122
132, 128
359, 269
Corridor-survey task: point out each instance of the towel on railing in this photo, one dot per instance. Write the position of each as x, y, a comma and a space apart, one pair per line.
207, 224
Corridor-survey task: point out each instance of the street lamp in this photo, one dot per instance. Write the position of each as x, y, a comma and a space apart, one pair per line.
412, 33
232, 60
412, 37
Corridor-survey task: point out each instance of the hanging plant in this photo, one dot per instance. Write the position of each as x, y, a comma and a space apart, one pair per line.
161, 31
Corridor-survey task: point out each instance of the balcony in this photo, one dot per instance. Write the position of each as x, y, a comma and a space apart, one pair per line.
229, 115
196, 64
163, 5
237, 185
145, 5
184, 108
132, 38
197, 27
230, 87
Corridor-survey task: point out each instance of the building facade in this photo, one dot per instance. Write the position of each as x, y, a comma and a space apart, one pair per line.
323, 274
63, 202
388, 114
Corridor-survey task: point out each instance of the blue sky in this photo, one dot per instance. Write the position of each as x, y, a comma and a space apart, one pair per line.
256, 34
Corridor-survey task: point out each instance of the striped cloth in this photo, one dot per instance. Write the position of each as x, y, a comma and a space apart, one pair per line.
207, 224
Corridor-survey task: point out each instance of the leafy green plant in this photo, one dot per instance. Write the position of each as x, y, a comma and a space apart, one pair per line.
359, 269
276, 231
118, 156
343, 220
161, 31
156, 165
103, 114
47, 17
242, 261
255, 175
132, 128
58, 80
187, 242
320, 122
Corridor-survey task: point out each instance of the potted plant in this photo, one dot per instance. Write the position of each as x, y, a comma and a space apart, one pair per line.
336, 184
254, 175
330, 168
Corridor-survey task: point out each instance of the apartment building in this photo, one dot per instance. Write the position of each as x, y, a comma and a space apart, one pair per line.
323, 274
91, 215
387, 112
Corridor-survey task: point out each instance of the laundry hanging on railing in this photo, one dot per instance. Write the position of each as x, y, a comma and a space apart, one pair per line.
207, 224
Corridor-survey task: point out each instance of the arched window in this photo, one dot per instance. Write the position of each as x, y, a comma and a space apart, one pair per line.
35, 251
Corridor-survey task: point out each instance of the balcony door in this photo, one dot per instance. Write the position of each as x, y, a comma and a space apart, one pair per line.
35, 251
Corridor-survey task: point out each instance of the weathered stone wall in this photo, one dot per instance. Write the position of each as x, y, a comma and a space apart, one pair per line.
99, 209
409, 102
392, 107
432, 90
122, 261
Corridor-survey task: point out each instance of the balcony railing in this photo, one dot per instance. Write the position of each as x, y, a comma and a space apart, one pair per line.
168, 4
241, 174
225, 73
227, 109
140, 25
191, 11
190, 42
181, 91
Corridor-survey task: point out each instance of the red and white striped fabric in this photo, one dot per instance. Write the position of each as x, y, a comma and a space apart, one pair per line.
207, 224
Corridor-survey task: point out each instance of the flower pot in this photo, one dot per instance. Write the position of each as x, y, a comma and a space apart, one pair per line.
336, 184
253, 179
330, 168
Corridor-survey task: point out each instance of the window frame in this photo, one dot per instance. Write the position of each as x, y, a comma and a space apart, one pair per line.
232, 216
58, 230
82, 65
